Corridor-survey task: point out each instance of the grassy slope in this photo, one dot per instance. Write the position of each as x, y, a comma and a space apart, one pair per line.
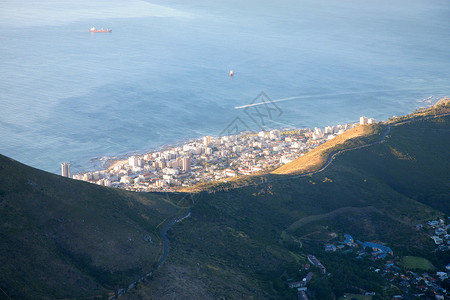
357, 136
240, 243
65, 238
417, 263
315, 158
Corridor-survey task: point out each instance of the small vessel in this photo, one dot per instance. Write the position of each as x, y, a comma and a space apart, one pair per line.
231, 73
99, 30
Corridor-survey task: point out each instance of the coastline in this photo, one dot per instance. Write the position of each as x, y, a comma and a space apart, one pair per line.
176, 166
209, 159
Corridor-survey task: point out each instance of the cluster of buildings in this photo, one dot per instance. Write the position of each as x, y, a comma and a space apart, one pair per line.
378, 251
302, 285
349, 241
438, 231
407, 284
365, 120
315, 262
413, 285
209, 159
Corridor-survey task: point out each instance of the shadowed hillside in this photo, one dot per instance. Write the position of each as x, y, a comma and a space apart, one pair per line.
65, 238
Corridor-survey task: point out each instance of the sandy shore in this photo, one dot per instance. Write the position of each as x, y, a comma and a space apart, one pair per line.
115, 163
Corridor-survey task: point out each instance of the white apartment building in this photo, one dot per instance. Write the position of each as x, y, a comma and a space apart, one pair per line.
65, 170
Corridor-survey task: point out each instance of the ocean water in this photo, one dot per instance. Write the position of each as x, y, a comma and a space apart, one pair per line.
161, 76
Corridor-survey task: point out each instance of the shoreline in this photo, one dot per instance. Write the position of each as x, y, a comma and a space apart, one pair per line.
209, 159
105, 163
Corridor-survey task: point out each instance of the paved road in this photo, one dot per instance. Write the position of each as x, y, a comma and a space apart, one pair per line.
124, 290
166, 240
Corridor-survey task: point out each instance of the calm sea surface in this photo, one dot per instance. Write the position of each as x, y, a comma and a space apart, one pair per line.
161, 76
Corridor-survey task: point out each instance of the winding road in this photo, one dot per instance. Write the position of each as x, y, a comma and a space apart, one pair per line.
166, 240
122, 291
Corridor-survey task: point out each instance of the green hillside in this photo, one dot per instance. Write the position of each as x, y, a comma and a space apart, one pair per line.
64, 238
247, 242
245, 239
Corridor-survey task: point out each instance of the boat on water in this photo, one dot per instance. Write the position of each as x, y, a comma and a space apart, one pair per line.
93, 29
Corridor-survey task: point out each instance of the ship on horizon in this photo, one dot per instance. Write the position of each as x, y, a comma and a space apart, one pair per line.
99, 30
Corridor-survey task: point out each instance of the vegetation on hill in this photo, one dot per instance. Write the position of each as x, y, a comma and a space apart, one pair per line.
248, 242
246, 238
64, 238
358, 136
442, 107
227, 184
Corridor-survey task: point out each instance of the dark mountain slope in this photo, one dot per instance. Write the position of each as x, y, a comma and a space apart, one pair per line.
414, 162
65, 238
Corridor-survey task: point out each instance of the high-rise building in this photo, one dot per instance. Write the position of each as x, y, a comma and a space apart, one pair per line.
133, 161
140, 162
274, 134
160, 164
206, 140
186, 164
179, 162
65, 170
